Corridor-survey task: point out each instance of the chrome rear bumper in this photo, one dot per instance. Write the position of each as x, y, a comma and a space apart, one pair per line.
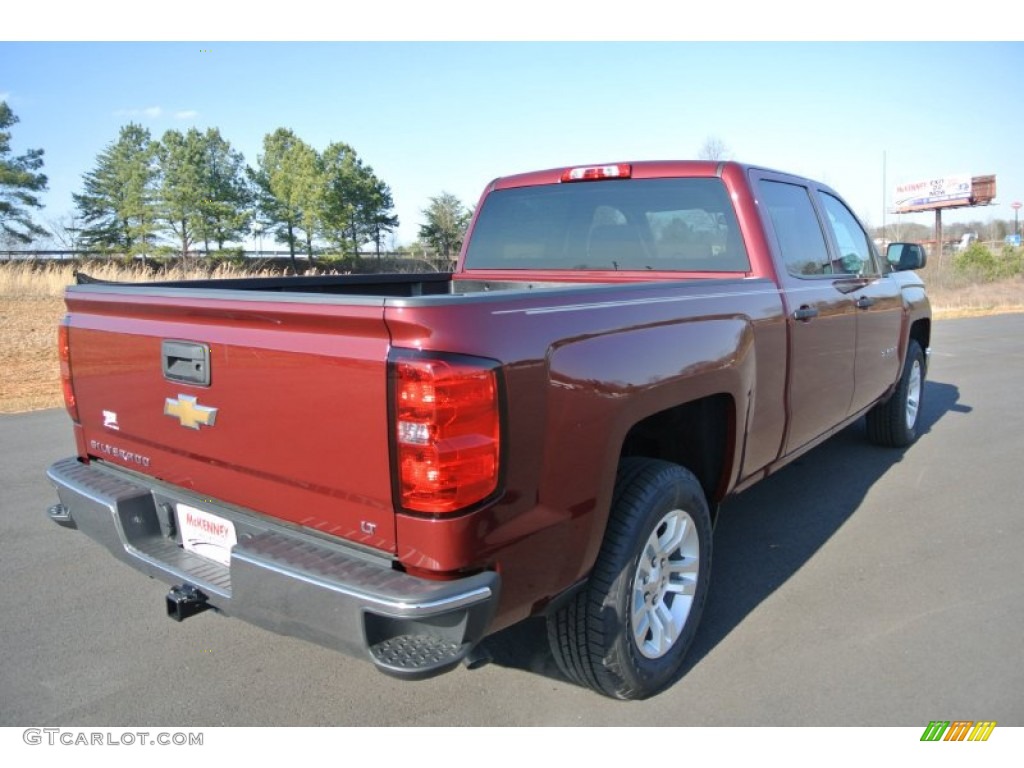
282, 579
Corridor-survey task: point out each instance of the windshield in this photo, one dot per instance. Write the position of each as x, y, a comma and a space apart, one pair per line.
630, 224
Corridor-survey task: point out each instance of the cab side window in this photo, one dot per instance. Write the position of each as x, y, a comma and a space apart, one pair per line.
856, 253
800, 239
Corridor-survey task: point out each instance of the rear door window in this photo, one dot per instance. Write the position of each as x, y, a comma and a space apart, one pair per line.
801, 241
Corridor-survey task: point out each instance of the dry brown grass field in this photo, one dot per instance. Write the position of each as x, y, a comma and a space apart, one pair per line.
31, 307
955, 295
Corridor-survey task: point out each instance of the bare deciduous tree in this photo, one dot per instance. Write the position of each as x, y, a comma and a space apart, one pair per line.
713, 149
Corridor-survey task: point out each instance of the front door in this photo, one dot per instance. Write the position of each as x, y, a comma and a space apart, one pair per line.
877, 299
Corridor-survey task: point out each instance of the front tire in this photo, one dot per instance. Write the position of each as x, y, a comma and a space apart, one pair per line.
626, 632
894, 423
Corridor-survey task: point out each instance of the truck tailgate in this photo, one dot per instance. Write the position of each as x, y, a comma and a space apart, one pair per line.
299, 431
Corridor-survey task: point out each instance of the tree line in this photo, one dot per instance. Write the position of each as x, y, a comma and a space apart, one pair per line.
191, 190
994, 230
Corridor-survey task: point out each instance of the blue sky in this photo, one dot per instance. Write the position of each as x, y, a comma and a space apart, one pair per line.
450, 116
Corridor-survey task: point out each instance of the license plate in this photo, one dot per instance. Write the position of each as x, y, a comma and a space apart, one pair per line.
205, 534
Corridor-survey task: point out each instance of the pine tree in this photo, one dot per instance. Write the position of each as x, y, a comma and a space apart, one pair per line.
226, 205
357, 206
447, 221
290, 188
378, 213
180, 160
119, 204
19, 184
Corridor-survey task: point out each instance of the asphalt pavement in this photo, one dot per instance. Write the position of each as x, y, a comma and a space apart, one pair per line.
858, 586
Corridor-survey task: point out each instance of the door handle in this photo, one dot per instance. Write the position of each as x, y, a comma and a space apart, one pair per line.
864, 302
805, 313
186, 362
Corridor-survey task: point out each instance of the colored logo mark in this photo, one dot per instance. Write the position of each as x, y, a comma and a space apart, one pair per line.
958, 730
190, 413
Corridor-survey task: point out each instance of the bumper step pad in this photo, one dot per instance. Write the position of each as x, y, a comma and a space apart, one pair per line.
407, 654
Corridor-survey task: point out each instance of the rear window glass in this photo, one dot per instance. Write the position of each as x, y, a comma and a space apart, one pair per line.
629, 224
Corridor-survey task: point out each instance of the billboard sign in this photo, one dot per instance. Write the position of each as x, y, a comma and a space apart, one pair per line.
943, 192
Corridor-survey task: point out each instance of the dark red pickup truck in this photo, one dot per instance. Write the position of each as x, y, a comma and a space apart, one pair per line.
399, 465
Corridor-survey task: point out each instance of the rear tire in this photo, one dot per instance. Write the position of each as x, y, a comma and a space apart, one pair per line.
894, 423
625, 633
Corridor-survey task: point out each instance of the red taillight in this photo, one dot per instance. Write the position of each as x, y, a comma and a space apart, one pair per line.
447, 431
595, 172
64, 352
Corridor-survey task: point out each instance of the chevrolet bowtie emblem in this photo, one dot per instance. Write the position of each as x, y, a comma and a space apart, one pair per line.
189, 413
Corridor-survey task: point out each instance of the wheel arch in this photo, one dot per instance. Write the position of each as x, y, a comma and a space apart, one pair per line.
699, 435
921, 332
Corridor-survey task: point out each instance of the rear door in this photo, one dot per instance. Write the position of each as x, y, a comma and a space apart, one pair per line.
822, 315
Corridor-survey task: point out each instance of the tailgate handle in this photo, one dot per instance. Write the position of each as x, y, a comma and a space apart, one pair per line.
185, 362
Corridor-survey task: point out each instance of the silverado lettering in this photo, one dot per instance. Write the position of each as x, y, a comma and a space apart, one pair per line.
410, 463
128, 457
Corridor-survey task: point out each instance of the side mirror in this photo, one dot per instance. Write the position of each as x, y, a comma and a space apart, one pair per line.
905, 256
853, 264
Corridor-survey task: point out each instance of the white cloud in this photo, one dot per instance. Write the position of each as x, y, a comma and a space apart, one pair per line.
155, 112
151, 112
4, 96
